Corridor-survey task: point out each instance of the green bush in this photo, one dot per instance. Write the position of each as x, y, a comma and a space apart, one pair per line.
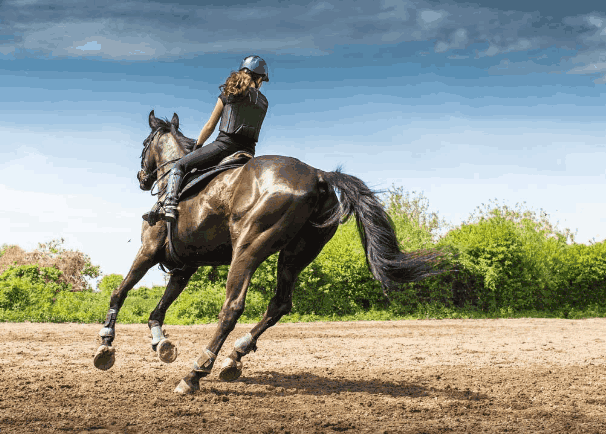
583, 275
513, 258
28, 292
76, 267
416, 226
507, 262
493, 251
110, 283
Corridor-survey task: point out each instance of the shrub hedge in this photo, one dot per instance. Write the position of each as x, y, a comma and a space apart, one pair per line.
506, 261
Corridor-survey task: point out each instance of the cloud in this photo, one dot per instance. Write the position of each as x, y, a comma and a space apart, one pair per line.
591, 68
524, 67
90, 46
590, 62
137, 30
458, 40
431, 19
120, 48
595, 21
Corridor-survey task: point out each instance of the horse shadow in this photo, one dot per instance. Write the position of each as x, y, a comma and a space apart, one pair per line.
277, 383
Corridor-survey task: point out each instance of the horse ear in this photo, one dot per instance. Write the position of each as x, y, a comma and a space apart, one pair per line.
153, 121
175, 121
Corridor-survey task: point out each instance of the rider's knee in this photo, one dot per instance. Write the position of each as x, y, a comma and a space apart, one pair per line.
179, 166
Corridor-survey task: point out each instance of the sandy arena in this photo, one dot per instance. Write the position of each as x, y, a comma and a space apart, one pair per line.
450, 376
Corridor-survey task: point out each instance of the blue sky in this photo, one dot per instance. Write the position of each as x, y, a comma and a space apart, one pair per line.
464, 101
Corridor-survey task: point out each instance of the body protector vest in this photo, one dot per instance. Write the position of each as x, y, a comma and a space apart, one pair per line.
244, 115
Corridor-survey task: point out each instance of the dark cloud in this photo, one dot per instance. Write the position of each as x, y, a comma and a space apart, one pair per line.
142, 30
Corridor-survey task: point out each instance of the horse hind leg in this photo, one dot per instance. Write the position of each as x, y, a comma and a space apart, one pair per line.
292, 260
240, 272
161, 345
254, 245
251, 250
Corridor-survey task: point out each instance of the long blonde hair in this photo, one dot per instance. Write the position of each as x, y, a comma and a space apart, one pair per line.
239, 82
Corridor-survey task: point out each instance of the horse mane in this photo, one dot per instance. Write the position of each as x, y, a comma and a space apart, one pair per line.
164, 126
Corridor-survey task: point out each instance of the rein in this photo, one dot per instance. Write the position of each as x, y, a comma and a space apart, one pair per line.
161, 178
149, 174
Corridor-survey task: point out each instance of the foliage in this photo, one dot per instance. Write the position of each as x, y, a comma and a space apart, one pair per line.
515, 258
583, 275
414, 223
508, 262
109, 283
29, 292
75, 266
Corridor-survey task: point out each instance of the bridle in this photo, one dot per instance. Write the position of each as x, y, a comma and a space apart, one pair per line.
144, 175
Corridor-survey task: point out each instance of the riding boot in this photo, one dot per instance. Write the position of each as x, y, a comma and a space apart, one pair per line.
167, 210
172, 190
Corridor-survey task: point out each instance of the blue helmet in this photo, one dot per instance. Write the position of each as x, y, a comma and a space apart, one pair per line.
255, 65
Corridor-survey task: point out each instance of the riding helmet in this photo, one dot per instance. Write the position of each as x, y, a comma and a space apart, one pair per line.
255, 65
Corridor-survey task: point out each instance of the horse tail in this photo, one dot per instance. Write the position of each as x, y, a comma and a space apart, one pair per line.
387, 263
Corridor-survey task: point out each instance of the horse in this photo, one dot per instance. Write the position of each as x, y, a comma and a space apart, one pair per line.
242, 216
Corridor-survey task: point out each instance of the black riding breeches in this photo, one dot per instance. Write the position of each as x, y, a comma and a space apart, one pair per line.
206, 156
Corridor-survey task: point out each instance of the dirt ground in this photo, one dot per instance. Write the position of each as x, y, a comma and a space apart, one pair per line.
472, 376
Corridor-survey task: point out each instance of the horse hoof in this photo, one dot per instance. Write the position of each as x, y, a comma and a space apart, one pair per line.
167, 351
186, 387
230, 370
105, 357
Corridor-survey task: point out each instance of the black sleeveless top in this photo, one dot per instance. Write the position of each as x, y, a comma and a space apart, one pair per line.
242, 118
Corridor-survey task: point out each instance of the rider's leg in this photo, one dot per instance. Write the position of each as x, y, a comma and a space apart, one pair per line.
202, 157
171, 200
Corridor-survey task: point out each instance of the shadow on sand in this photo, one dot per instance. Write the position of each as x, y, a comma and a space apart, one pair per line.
310, 384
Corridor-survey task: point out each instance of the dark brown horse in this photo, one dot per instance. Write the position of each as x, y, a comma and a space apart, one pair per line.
244, 215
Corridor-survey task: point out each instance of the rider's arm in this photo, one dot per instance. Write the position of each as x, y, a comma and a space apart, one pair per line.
209, 127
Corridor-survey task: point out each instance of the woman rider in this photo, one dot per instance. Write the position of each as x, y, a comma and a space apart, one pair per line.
241, 108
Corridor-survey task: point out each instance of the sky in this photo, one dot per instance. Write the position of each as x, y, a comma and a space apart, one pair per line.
465, 102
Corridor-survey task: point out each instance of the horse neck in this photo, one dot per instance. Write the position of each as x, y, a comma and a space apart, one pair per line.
167, 149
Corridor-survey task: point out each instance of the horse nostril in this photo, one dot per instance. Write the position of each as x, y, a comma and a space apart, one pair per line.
145, 180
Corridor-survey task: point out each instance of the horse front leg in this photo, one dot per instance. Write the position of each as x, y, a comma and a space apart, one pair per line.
105, 356
161, 345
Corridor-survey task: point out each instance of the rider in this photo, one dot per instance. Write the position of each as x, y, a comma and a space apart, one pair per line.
241, 108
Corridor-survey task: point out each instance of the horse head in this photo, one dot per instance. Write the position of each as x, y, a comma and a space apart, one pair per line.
151, 158
147, 175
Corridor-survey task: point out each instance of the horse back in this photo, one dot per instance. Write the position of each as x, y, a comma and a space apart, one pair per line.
245, 200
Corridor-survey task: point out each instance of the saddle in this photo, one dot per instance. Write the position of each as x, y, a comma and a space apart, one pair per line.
199, 178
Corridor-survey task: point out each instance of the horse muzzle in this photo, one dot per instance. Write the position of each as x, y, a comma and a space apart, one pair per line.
146, 181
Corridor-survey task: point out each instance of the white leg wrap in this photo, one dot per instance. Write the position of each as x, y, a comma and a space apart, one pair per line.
157, 334
107, 332
245, 344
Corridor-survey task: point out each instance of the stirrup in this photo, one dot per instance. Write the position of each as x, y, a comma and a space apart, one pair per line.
170, 213
152, 217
